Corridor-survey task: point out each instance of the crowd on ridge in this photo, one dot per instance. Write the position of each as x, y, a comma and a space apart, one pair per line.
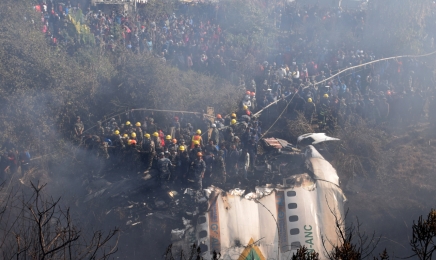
395, 91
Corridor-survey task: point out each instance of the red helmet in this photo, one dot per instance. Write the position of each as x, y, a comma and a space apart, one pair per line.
248, 92
219, 116
252, 94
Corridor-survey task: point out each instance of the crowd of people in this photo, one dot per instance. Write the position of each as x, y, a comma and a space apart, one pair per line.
217, 148
296, 75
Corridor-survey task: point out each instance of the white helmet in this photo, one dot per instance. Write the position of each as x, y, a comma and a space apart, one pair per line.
213, 125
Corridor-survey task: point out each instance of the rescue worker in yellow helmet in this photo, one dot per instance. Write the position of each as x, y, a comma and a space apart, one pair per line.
183, 163
139, 135
199, 167
157, 142
125, 139
168, 141
245, 111
117, 142
148, 151
197, 137
309, 110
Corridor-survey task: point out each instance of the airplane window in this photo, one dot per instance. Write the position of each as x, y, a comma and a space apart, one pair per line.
202, 234
201, 220
291, 193
295, 231
204, 248
292, 205
293, 218
295, 245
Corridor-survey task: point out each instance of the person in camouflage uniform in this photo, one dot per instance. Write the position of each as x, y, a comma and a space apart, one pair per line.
199, 168
148, 151
78, 127
163, 167
139, 135
100, 130
219, 168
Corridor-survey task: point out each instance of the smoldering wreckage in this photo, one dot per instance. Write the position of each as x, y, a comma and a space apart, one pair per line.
296, 203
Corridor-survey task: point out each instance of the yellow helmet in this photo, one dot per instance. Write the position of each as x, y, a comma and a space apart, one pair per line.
309, 100
196, 142
233, 115
125, 135
138, 124
133, 135
128, 123
198, 132
168, 137
147, 136
155, 134
326, 95
116, 132
233, 122
182, 148
245, 107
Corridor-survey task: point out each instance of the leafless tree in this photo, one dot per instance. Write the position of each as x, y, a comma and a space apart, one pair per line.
193, 254
36, 226
424, 234
353, 242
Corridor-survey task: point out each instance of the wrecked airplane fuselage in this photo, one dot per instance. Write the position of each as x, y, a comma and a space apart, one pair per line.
297, 202
274, 221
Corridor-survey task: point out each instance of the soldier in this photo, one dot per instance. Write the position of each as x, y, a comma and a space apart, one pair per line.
211, 148
102, 148
78, 127
127, 128
252, 151
325, 105
138, 131
232, 160
157, 142
132, 153
100, 130
183, 163
148, 149
215, 135
199, 167
163, 167
195, 150
309, 110
168, 141
219, 167
173, 145
152, 127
